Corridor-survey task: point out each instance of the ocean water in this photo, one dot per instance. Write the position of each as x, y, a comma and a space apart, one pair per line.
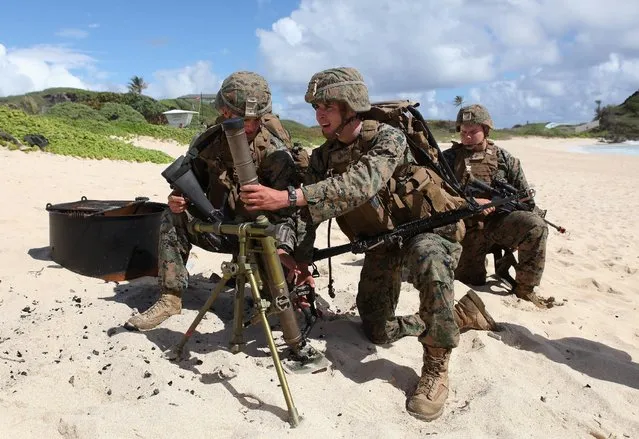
626, 148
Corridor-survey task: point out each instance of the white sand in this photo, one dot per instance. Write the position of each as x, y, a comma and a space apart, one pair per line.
568, 372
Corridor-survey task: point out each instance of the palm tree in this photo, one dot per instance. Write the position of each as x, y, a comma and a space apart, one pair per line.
598, 109
458, 101
137, 84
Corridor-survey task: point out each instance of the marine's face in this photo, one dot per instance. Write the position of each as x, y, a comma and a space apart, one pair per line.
251, 125
471, 134
329, 117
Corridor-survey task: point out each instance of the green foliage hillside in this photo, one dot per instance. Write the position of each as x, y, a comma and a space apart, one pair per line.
302, 134
74, 139
621, 122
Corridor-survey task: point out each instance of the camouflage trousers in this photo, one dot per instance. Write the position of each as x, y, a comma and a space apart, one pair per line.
525, 231
430, 261
174, 247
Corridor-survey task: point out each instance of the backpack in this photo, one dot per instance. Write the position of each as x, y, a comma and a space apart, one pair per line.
432, 186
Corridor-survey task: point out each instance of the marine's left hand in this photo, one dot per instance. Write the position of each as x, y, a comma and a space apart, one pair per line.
258, 197
288, 261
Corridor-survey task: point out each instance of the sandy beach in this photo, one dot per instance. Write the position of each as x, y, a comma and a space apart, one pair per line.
69, 369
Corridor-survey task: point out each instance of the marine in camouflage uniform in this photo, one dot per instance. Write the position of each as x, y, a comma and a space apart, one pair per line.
352, 181
242, 94
525, 231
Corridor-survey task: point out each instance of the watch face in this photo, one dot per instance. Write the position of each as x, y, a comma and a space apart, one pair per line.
292, 196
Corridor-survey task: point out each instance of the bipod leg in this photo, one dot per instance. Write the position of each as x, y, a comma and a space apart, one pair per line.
236, 345
176, 352
262, 306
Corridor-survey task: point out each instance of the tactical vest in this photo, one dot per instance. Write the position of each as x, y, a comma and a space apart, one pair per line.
413, 191
483, 165
223, 184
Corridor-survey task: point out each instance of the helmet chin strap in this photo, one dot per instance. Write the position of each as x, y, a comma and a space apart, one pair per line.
480, 146
338, 130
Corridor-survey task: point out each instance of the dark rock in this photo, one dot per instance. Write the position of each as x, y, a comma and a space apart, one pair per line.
9, 138
58, 98
36, 140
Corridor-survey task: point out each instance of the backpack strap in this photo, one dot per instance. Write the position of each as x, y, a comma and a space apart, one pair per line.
368, 132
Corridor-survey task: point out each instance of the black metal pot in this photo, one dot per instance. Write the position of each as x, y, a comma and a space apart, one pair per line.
110, 240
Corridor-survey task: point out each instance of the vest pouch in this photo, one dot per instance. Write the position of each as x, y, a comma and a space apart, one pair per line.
422, 195
367, 220
408, 201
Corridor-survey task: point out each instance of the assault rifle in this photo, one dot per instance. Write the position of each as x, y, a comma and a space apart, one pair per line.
404, 232
505, 258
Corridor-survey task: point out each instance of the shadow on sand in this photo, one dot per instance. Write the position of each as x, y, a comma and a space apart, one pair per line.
591, 358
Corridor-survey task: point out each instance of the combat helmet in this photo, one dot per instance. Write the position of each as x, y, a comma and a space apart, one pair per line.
342, 84
247, 94
474, 114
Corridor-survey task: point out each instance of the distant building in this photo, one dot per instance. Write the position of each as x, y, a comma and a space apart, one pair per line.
179, 118
552, 125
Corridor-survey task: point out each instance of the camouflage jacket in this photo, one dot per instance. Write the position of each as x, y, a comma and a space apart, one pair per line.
214, 170
508, 167
331, 193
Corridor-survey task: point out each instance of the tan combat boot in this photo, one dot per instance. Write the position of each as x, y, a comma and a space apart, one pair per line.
169, 303
527, 292
427, 403
470, 313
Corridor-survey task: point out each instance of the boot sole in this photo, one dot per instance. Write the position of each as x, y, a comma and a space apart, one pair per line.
423, 417
482, 308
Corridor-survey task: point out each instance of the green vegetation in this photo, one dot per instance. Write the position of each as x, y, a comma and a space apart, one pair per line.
137, 84
119, 112
73, 111
539, 129
304, 135
621, 122
70, 138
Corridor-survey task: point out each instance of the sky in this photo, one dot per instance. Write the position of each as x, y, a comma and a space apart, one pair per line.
525, 60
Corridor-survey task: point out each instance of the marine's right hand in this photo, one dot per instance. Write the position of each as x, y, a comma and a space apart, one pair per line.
177, 203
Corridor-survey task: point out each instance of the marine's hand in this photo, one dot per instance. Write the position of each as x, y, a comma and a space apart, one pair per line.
288, 261
258, 197
177, 203
304, 275
483, 201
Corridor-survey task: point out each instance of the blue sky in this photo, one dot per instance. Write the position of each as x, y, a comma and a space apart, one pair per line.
530, 60
140, 37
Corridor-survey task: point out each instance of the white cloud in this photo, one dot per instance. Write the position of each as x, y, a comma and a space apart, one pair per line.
40, 67
525, 59
195, 78
72, 33
94, 25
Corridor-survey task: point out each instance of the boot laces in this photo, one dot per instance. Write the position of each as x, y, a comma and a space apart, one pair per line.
158, 307
433, 366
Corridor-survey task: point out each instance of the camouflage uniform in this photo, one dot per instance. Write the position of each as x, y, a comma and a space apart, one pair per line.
358, 184
521, 230
275, 169
246, 94
429, 257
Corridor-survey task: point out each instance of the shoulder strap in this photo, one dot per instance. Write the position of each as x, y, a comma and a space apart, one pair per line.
368, 133
274, 126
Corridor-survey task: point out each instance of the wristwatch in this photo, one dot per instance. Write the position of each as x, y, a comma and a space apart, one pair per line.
292, 196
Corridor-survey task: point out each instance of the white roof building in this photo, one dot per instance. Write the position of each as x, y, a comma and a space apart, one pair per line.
179, 118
